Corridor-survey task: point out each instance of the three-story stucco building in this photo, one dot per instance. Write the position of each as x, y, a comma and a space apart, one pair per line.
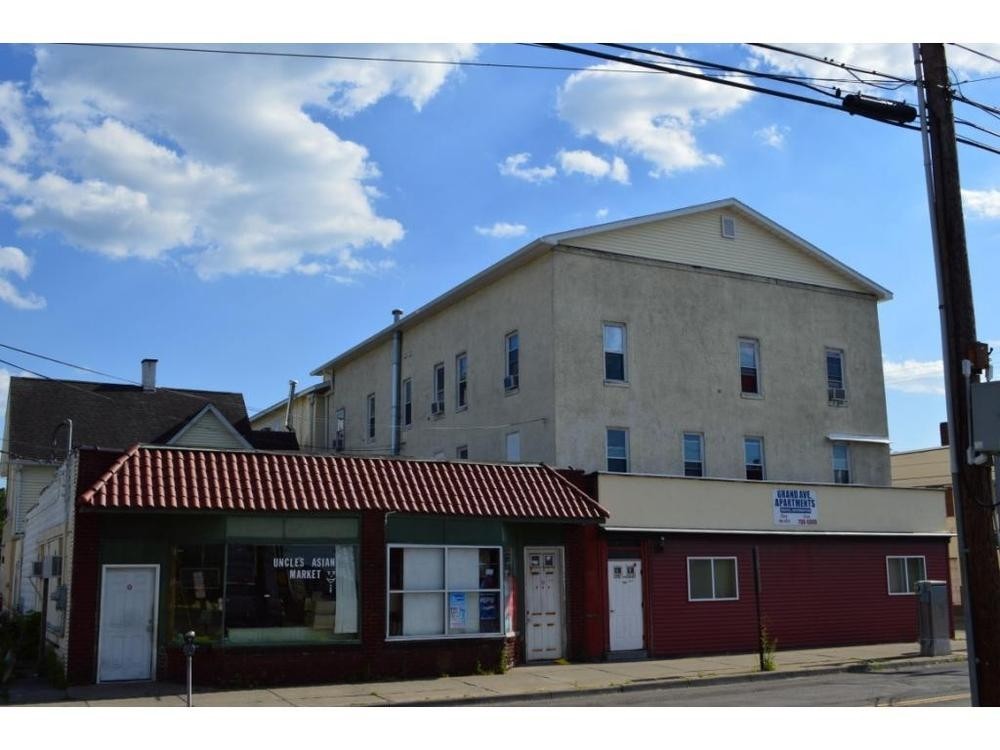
706, 341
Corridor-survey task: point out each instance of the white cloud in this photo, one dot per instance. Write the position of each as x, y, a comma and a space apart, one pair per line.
982, 203
892, 59
602, 213
227, 162
502, 229
14, 261
516, 166
592, 165
654, 116
4, 390
914, 376
773, 135
14, 124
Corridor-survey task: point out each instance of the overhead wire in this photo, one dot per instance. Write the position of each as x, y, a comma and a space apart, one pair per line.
975, 52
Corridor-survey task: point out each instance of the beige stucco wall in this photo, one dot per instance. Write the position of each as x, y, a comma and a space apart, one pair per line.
926, 468
477, 325
683, 503
683, 327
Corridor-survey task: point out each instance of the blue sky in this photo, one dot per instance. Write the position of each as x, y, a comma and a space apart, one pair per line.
244, 219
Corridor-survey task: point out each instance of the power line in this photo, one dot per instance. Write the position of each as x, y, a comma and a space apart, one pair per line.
46, 377
976, 52
68, 364
852, 69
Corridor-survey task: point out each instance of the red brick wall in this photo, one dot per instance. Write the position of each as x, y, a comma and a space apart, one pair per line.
814, 592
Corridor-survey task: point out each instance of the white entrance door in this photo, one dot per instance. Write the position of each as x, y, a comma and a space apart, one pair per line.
625, 604
128, 622
543, 603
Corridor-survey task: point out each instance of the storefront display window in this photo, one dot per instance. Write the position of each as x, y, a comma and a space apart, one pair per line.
291, 593
196, 590
444, 591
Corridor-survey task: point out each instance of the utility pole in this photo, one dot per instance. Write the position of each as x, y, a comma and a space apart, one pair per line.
970, 482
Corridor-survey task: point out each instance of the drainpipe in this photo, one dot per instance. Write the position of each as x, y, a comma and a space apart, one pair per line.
288, 407
395, 385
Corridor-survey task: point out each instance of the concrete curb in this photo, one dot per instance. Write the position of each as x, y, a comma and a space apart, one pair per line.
873, 665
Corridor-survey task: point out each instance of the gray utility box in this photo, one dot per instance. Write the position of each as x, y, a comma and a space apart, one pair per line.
933, 618
986, 417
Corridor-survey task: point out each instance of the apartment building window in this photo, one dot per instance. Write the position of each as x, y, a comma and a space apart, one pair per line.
841, 463
437, 404
513, 446
904, 572
835, 388
753, 451
694, 455
370, 415
749, 366
617, 449
340, 425
614, 352
712, 578
512, 365
407, 402
461, 381
462, 452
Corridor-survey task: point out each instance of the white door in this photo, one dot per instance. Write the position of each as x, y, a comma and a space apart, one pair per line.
625, 604
128, 622
543, 603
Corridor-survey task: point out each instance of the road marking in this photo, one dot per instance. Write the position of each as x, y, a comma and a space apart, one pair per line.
934, 699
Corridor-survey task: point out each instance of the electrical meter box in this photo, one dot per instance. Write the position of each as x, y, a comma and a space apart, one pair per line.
933, 618
986, 417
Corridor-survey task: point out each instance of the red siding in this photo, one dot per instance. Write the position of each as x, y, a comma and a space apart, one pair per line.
821, 591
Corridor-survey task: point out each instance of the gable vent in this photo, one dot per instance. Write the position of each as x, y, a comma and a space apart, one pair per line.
728, 227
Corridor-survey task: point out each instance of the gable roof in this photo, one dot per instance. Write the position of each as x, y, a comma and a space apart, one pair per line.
105, 415
538, 247
163, 478
211, 420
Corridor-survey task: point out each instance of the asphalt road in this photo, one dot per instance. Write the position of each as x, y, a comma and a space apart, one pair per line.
938, 685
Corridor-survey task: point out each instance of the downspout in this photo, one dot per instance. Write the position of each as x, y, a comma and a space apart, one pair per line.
288, 407
395, 384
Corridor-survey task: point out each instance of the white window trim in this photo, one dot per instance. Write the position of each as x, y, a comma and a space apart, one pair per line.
444, 592
759, 393
624, 353
736, 579
439, 367
843, 374
722, 226
628, 449
506, 359
701, 443
906, 571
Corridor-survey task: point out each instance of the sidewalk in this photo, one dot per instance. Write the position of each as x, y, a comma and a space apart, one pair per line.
546, 680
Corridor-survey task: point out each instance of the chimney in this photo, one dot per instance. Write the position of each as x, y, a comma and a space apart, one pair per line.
288, 406
149, 374
396, 315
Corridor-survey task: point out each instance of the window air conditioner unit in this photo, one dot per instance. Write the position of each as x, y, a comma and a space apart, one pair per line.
59, 597
52, 566
338, 443
36, 569
837, 395
437, 408
510, 382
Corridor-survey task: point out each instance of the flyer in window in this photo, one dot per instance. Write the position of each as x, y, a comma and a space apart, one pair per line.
457, 612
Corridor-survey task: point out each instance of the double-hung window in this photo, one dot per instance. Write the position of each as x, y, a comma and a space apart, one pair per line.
617, 449
836, 391
841, 463
694, 454
340, 425
407, 402
904, 572
614, 352
749, 366
444, 592
370, 416
461, 381
753, 457
513, 446
512, 362
437, 404
712, 578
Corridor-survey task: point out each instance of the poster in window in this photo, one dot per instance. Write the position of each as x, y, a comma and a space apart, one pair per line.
488, 608
457, 612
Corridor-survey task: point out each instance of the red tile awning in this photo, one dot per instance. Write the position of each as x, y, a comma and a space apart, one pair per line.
161, 478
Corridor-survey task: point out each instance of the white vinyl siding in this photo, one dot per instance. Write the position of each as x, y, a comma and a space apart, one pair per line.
209, 432
695, 240
31, 480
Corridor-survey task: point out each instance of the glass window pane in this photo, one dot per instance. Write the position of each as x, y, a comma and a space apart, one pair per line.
514, 446
614, 339
700, 579
748, 354
897, 575
423, 568
834, 369
463, 568
196, 602
725, 579
614, 366
423, 614
915, 571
